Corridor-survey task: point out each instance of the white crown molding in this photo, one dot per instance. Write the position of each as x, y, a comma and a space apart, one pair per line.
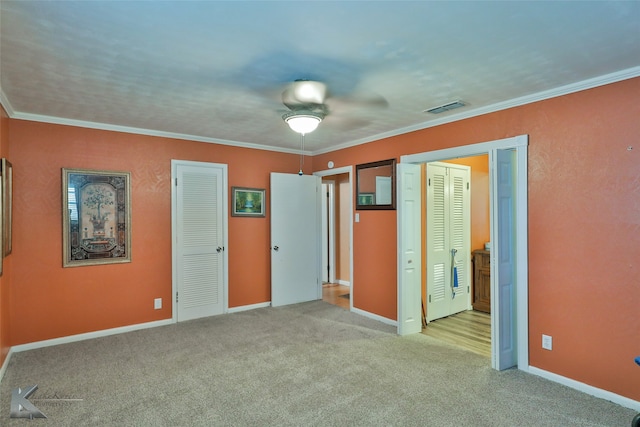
148, 132
4, 101
516, 102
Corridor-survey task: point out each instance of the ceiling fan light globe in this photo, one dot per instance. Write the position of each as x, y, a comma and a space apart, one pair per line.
303, 122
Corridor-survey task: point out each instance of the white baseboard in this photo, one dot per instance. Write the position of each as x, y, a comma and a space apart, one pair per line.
4, 366
89, 335
374, 317
586, 388
249, 307
344, 282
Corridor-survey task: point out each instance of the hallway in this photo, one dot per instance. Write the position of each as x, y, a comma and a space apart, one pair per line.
336, 294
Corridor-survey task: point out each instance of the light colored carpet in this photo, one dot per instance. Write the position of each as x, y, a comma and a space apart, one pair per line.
310, 364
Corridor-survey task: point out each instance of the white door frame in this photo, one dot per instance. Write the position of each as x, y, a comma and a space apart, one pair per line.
337, 171
174, 233
329, 231
519, 145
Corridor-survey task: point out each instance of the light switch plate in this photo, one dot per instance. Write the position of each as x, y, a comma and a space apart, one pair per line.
547, 342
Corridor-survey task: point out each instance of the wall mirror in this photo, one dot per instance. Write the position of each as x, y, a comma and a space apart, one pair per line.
375, 185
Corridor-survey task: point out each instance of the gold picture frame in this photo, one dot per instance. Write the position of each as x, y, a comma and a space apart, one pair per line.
96, 220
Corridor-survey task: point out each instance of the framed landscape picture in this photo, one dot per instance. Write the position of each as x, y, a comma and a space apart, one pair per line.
249, 202
96, 217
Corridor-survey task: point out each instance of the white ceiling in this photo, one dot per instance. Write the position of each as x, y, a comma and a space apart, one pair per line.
214, 71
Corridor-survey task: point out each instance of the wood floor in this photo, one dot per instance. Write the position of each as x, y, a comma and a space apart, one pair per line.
468, 329
336, 295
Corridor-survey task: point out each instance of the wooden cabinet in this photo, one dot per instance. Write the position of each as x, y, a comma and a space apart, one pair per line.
482, 280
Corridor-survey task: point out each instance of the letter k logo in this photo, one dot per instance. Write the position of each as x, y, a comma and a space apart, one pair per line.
20, 405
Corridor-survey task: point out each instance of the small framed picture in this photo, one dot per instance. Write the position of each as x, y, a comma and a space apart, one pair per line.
249, 202
366, 199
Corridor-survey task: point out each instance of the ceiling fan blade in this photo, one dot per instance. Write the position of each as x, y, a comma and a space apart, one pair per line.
355, 101
345, 123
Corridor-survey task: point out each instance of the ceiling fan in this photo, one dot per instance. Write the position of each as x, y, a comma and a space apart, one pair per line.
309, 102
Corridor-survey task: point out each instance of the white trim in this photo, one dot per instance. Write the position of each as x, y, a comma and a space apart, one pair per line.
4, 101
149, 132
617, 76
522, 249
337, 171
343, 282
373, 316
249, 307
89, 335
504, 105
5, 365
586, 388
329, 207
519, 144
466, 150
174, 226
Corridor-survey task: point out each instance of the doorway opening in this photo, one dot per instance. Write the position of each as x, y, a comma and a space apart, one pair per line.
509, 267
337, 236
469, 326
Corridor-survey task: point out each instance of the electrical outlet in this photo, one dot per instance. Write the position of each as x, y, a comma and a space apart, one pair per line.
547, 342
157, 303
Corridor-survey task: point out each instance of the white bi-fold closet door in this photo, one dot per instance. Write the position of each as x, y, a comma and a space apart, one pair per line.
448, 239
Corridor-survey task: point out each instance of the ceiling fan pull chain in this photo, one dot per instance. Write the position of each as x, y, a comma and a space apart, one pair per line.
301, 153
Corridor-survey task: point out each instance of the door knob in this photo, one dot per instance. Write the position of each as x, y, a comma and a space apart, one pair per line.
218, 249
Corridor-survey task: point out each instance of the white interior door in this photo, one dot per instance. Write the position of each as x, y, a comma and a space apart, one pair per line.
409, 244
503, 320
448, 240
460, 237
437, 265
295, 238
199, 256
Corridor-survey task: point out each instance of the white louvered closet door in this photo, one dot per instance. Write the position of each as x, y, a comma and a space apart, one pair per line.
200, 241
448, 228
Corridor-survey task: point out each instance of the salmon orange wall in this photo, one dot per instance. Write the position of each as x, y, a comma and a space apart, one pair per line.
5, 279
48, 301
584, 227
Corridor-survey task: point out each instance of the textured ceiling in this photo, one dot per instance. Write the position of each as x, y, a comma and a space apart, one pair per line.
214, 71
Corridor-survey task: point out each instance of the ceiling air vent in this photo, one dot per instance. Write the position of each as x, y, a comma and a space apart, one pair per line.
446, 107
